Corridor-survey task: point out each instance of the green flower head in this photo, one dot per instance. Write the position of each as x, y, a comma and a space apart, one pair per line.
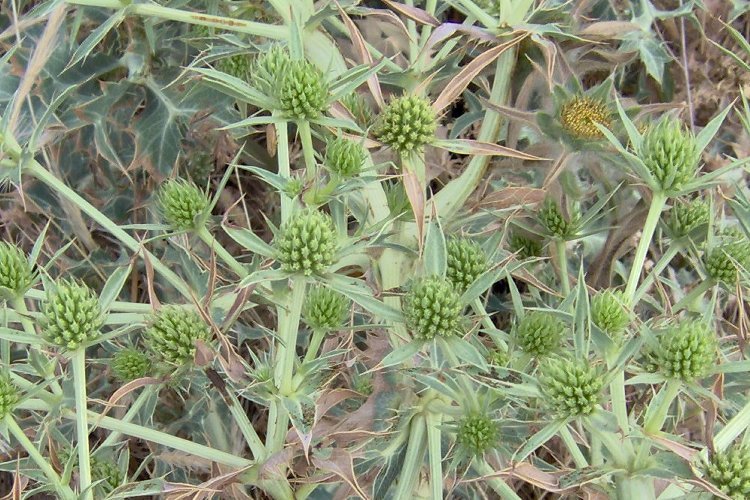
236, 65
106, 472
303, 91
16, 273
477, 434
307, 243
523, 246
579, 116
407, 124
539, 333
555, 222
269, 69
466, 262
8, 396
325, 309
344, 157
130, 364
609, 313
71, 315
686, 351
182, 204
729, 254
432, 307
670, 153
173, 333
571, 388
687, 216
730, 471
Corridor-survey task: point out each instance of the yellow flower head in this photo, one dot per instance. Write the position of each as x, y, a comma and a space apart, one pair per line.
580, 115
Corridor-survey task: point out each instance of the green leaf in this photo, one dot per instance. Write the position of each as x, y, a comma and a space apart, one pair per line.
538, 439
249, 240
435, 256
709, 131
400, 354
465, 352
96, 37
113, 286
362, 295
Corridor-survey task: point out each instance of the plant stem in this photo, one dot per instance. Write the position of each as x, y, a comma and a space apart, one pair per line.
413, 459
657, 411
562, 262
501, 487
62, 489
78, 364
282, 155
305, 135
617, 394
480, 311
572, 446
246, 427
434, 452
315, 341
658, 201
629, 487
289, 328
142, 398
221, 252
652, 276
39, 172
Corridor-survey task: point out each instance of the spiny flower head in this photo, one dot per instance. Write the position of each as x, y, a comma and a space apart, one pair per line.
571, 388
477, 434
359, 109
687, 216
730, 471
237, 65
670, 153
129, 364
407, 124
524, 246
498, 357
183, 204
303, 91
8, 396
686, 351
580, 115
730, 253
344, 157
71, 315
108, 473
432, 307
173, 333
609, 313
269, 69
325, 309
466, 262
16, 273
539, 333
557, 224
307, 243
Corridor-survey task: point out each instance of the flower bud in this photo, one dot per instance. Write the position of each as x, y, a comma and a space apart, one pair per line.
325, 309
670, 154
686, 217
130, 364
539, 333
432, 308
182, 204
730, 471
303, 91
72, 315
580, 115
686, 351
344, 157
467, 261
173, 333
8, 396
307, 243
609, 313
571, 388
477, 434
406, 124
356, 104
16, 273
557, 224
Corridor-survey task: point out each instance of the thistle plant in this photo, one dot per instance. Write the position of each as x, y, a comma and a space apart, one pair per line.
686, 351
16, 274
72, 315
129, 364
8, 396
670, 153
476, 434
724, 261
406, 124
344, 157
609, 314
303, 91
432, 308
687, 216
580, 116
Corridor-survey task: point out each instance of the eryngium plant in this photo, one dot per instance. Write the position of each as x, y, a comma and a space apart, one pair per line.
571, 388
670, 153
71, 315
325, 309
686, 351
730, 471
687, 216
727, 257
16, 273
432, 307
182, 204
477, 433
173, 332
609, 313
406, 124
307, 243
129, 364
539, 333
344, 157
580, 116
466, 262
303, 91
555, 222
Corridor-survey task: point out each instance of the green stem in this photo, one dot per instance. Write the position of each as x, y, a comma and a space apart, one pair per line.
480, 311
562, 262
435, 454
413, 460
224, 23
39, 172
221, 252
282, 155
617, 394
657, 411
148, 392
572, 446
629, 487
652, 276
289, 326
62, 489
246, 427
78, 364
658, 201
311, 166
694, 294
501, 487
315, 341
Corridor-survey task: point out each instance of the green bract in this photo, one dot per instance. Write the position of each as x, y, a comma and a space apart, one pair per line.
539, 333
325, 309
579, 117
183, 204
432, 307
71, 315
609, 313
571, 388
555, 222
307, 243
466, 262
130, 364
686, 352
303, 91
670, 153
269, 69
477, 434
687, 216
8, 396
344, 157
173, 333
15, 271
730, 471
406, 124
359, 109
